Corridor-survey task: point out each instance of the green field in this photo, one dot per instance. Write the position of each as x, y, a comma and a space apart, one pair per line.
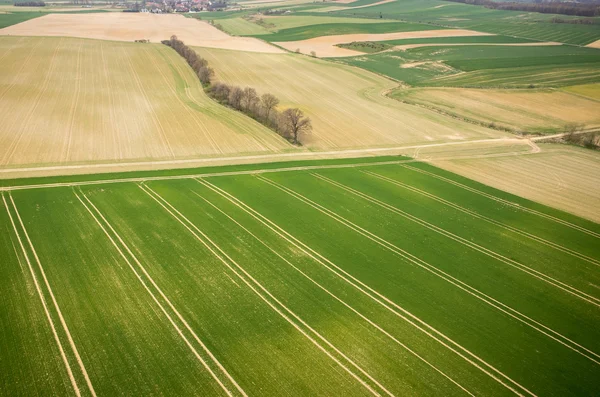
331, 29
511, 23
378, 276
485, 65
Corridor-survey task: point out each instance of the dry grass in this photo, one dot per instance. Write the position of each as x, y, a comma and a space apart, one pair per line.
527, 110
325, 46
124, 26
69, 100
563, 177
346, 104
591, 91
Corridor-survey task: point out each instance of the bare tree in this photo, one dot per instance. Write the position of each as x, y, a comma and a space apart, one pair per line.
220, 91
295, 123
205, 74
269, 101
249, 98
235, 97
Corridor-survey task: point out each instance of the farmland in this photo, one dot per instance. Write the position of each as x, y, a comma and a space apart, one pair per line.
492, 65
139, 90
534, 111
345, 104
263, 293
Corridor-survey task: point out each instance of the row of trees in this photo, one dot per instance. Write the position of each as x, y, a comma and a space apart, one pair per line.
549, 7
30, 4
291, 123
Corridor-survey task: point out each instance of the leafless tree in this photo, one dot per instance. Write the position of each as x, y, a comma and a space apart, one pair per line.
295, 123
249, 98
269, 102
235, 97
220, 91
205, 74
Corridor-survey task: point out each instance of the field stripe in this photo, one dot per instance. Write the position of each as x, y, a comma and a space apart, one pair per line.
43, 300
485, 218
387, 303
179, 331
372, 323
213, 248
74, 103
58, 311
556, 336
476, 247
503, 201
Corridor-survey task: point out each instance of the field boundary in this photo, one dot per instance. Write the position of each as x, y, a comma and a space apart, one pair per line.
507, 202
485, 218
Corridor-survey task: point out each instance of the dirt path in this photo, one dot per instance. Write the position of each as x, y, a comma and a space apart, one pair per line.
6, 173
547, 331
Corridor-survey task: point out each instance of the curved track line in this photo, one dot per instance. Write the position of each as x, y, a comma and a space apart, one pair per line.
163, 296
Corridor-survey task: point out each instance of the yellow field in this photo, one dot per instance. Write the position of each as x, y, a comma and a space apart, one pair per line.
346, 104
66, 100
130, 26
525, 110
561, 176
591, 91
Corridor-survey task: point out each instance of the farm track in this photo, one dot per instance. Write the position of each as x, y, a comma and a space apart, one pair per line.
337, 298
44, 303
485, 218
274, 303
556, 336
476, 247
377, 297
95, 214
500, 200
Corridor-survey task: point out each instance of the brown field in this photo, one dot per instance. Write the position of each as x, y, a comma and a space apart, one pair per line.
73, 101
595, 44
124, 26
523, 110
564, 177
325, 46
346, 104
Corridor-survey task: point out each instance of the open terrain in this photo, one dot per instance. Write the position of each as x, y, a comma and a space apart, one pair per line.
346, 105
134, 26
327, 46
379, 276
533, 111
69, 101
560, 176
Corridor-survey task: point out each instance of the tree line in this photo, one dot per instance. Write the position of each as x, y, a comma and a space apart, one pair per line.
290, 123
30, 4
550, 7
